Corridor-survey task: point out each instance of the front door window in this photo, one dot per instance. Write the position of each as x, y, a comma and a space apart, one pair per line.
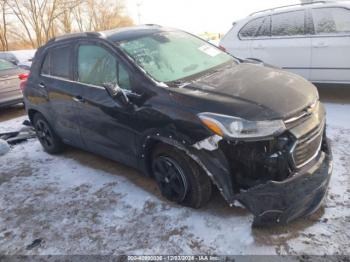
97, 66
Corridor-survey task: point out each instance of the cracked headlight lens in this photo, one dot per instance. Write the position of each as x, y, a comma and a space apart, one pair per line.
239, 128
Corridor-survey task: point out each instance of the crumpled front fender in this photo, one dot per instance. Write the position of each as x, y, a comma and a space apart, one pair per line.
213, 162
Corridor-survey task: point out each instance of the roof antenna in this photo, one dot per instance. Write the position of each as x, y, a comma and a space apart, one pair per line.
138, 4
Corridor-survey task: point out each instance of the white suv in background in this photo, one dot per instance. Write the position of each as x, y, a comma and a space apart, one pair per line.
312, 40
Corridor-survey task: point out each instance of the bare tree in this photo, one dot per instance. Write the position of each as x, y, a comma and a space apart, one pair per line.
30, 14
101, 15
68, 15
78, 14
40, 20
4, 25
65, 21
39, 17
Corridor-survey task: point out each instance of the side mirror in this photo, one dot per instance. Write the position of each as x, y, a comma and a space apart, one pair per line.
117, 93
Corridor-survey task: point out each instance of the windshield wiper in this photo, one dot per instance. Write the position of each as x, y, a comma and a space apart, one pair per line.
199, 75
176, 82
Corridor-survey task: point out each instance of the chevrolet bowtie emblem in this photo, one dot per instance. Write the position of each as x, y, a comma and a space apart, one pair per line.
309, 110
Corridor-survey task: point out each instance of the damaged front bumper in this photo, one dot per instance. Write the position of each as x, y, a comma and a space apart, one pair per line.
278, 180
279, 202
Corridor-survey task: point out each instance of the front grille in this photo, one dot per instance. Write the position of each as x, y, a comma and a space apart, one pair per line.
307, 147
302, 116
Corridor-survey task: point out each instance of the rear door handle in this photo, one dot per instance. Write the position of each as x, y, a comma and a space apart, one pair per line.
79, 99
258, 47
319, 45
41, 85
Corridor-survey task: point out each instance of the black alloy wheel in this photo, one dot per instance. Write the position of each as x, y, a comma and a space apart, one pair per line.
47, 136
44, 133
170, 178
179, 178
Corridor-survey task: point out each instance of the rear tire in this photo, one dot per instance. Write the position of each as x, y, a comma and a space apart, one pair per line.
51, 143
179, 178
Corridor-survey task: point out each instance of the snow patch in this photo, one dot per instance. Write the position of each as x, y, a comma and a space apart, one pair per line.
4, 147
79, 203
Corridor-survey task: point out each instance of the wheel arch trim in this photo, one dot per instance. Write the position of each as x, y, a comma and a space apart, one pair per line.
214, 163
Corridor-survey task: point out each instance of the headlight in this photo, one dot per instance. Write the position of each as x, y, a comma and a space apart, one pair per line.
235, 127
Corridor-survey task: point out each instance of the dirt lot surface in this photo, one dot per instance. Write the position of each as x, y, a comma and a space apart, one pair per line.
79, 203
11, 112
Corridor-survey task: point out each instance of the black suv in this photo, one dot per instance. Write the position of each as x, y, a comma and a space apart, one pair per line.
186, 113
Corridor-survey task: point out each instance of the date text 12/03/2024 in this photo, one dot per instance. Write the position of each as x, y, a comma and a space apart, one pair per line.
173, 258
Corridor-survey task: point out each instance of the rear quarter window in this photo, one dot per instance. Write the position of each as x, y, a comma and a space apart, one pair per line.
230, 32
251, 28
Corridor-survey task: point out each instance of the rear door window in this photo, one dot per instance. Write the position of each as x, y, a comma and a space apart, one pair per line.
331, 20
288, 24
251, 28
57, 62
60, 61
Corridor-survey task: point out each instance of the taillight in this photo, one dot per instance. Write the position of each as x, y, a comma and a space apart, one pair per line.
23, 77
222, 48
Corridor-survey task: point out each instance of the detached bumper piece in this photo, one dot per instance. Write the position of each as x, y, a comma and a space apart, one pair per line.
279, 202
22, 135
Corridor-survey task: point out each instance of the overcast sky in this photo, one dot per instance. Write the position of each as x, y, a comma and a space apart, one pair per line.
197, 16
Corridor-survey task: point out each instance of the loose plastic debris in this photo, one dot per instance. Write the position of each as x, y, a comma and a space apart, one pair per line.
15, 137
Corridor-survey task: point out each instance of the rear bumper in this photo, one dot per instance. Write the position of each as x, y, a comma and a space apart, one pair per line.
276, 203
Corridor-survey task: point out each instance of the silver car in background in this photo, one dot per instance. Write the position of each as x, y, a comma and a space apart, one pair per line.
310, 39
21, 58
10, 79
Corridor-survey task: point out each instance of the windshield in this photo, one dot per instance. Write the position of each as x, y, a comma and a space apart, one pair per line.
4, 65
171, 56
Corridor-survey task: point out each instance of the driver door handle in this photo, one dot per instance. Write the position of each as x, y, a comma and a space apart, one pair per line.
79, 99
320, 45
258, 46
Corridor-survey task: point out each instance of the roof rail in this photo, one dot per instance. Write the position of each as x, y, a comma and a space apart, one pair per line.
152, 25
74, 35
300, 4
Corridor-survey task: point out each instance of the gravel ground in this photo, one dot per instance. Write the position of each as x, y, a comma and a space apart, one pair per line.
79, 203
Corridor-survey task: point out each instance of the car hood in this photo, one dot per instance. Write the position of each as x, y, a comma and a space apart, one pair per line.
274, 92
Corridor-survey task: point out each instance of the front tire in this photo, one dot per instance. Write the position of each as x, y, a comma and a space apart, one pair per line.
179, 178
51, 143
